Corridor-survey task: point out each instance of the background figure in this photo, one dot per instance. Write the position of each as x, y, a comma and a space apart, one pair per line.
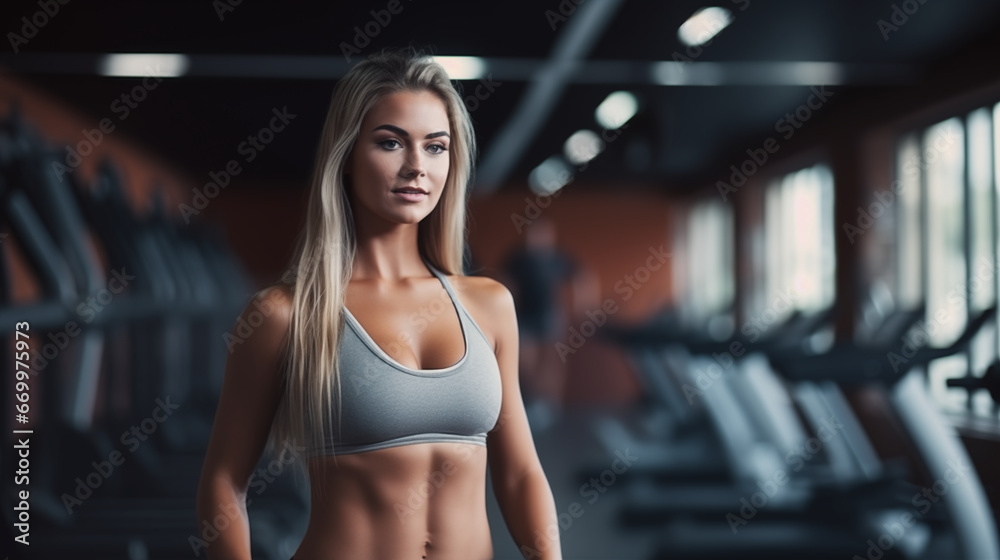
536, 273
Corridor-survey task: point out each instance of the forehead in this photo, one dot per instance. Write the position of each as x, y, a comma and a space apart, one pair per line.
419, 110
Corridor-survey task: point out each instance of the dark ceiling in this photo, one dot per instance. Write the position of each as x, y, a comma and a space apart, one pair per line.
552, 72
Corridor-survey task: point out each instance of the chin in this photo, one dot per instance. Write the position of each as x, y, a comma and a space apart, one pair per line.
408, 217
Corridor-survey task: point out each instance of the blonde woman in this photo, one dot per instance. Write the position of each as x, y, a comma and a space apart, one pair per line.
392, 371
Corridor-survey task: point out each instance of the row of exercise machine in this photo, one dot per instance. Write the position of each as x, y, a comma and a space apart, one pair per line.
798, 447
126, 352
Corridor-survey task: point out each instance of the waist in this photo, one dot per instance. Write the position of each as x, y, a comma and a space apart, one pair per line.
392, 502
466, 537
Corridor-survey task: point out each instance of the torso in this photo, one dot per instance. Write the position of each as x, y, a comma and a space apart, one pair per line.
414, 501
419, 501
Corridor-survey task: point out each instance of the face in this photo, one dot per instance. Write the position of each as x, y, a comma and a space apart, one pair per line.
400, 162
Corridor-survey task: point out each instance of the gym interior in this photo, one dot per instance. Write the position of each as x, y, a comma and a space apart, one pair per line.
762, 236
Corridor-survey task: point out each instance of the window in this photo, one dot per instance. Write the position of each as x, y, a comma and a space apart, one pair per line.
942, 162
798, 223
948, 184
710, 275
982, 245
909, 279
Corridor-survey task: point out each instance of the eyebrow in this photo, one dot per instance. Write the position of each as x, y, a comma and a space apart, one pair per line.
406, 134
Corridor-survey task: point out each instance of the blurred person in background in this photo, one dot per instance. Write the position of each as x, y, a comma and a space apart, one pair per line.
537, 272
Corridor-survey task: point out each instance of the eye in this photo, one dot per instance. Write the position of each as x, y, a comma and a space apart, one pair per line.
441, 151
389, 141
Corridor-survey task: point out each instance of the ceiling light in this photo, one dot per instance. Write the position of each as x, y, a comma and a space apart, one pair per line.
703, 25
462, 67
616, 110
582, 146
550, 176
150, 64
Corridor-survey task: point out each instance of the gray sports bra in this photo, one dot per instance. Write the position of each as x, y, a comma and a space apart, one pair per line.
386, 404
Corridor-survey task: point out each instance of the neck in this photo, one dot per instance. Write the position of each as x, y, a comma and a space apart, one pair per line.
388, 253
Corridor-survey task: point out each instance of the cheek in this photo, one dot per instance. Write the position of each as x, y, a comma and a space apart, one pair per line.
377, 167
441, 170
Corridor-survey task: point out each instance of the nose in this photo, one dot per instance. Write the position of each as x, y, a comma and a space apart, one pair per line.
413, 166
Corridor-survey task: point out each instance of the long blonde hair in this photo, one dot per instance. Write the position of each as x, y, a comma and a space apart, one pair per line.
321, 265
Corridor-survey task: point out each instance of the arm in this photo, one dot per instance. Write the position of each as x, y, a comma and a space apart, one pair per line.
251, 392
520, 486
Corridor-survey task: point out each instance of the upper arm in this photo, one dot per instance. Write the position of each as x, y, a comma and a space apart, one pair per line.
251, 390
511, 447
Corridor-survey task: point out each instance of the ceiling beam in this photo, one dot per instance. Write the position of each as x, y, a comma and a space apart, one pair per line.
613, 72
574, 43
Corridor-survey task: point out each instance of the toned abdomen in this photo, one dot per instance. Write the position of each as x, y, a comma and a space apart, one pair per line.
412, 501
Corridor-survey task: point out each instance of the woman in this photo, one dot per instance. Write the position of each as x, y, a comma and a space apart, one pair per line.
393, 372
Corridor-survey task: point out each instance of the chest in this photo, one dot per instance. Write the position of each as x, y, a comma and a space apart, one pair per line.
418, 326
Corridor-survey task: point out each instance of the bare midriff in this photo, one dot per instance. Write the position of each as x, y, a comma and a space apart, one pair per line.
424, 501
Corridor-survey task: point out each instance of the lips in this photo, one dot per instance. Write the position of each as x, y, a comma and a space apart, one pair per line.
410, 190
411, 194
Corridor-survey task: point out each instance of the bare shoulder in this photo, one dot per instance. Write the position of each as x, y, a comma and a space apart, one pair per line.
274, 303
490, 303
484, 291
264, 323
279, 296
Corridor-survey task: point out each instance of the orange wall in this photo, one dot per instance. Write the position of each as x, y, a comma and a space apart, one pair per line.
261, 225
607, 229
